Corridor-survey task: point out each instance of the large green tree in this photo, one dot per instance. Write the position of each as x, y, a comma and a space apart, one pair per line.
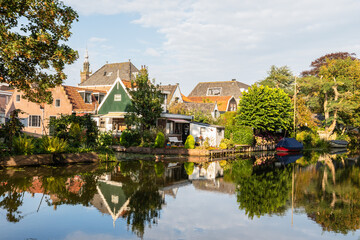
265, 109
279, 77
32, 49
334, 91
146, 102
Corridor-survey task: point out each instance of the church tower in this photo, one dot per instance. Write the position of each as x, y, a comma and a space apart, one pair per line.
85, 73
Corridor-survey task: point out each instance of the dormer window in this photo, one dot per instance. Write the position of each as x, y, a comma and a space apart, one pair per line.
99, 97
86, 96
109, 74
216, 91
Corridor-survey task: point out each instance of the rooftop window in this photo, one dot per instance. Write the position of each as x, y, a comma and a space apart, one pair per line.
216, 91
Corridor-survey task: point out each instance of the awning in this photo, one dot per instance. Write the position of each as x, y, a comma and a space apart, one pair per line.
178, 120
114, 115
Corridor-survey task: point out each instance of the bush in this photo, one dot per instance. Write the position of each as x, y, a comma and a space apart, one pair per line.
23, 145
104, 139
190, 142
75, 134
226, 144
206, 143
130, 138
160, 140
240, 134
54, 145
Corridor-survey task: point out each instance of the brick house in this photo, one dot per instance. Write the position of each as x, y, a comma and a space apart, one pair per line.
66, 100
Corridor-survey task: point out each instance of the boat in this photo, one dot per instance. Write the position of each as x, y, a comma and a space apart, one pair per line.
289, 145
338, 143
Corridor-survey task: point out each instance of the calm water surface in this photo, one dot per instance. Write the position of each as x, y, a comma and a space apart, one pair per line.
316, 197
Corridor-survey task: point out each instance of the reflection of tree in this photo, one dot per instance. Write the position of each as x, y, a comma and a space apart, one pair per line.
12, 195
189, 168
330, 195
145, 201
66, 185
261, 192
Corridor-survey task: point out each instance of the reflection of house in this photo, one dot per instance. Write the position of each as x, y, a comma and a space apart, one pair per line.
203, 131
111, 199
212, 171
66, 100
215, 185
175, 125
225, 93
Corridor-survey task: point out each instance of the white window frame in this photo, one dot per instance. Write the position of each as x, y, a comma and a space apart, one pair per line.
117, 97
30, 121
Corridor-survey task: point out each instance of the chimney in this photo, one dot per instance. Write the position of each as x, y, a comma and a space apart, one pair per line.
233, 79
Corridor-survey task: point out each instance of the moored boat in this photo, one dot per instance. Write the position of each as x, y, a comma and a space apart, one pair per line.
338, 143
289, 145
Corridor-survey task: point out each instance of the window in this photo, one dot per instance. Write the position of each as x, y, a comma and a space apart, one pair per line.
18, 98
216, 91
117, 97
88, 97
34, 121
101, 98
202, 131
57, 103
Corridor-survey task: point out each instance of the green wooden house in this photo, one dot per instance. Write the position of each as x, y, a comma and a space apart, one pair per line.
112, 110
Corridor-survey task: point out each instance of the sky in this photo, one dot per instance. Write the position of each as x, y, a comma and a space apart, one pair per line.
191, 41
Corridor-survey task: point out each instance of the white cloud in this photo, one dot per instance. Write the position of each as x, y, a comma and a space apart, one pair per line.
220, 40
152, 52
97, 40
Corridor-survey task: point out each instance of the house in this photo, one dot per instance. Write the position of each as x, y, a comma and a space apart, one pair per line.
5, 95
172, 94
111, 112
203, 131
206, 108
219, 91
175, 125
66, 100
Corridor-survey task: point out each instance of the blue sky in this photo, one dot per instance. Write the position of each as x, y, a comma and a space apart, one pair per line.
189, 41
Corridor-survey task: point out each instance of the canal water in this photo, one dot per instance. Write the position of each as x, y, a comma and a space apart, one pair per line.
315, 196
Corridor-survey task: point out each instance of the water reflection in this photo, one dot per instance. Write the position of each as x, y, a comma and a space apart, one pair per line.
323, 187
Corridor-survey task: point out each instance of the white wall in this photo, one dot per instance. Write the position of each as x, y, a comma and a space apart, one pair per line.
213, 171
209, 132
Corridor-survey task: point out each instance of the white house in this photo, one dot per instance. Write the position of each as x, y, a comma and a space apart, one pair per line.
203, 130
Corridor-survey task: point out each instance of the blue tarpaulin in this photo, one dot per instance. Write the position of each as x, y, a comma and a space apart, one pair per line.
290, 143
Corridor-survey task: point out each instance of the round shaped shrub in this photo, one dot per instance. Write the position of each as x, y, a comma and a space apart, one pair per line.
190, 142
160, 140
130, 138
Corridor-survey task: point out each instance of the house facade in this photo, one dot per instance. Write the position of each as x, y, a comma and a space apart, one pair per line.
203, 131
66, 100
111, 112
5, 95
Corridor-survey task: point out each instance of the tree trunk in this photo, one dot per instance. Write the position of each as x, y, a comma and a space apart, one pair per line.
333, 124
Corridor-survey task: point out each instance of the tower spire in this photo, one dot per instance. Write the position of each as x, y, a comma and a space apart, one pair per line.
85, 73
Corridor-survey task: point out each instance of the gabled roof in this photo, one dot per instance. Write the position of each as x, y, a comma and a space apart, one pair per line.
202, 107
107, 74
222, 101
78, 102
228, 88
169, 88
